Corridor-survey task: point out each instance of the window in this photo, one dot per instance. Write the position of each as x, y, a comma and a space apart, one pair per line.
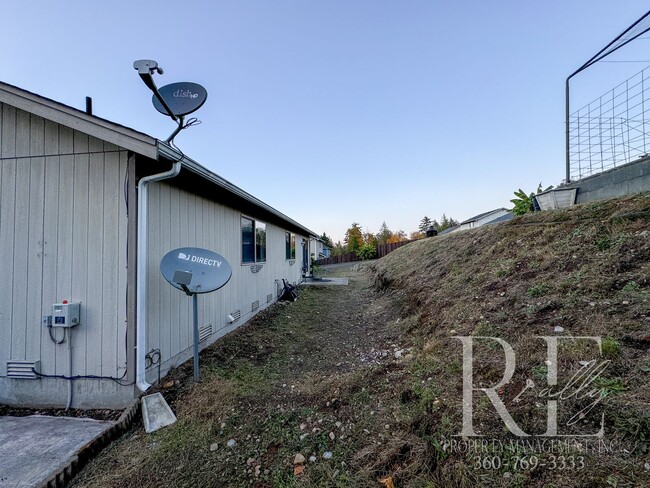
253, 241
260, 242
290, 245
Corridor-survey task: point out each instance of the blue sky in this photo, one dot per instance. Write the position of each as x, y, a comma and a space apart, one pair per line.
340, 111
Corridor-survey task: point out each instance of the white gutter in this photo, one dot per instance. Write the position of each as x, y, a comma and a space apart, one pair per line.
141, 293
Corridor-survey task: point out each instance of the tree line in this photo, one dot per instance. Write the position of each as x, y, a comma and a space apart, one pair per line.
364, 243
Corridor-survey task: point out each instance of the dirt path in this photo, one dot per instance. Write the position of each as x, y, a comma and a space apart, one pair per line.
290, 382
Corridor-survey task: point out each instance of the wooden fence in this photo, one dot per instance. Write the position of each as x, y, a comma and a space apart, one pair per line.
350, 257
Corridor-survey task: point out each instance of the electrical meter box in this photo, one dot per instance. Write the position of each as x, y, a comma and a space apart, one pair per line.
65, 314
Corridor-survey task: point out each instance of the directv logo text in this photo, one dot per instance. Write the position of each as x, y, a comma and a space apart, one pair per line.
184, 94
200, 260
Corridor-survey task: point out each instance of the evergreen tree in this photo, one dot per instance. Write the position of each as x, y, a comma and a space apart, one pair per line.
446, 223
425, 223
384, 234
327, 240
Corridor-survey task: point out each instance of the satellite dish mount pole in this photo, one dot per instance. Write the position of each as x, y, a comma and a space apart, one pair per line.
146, 68
195, 312
195, 320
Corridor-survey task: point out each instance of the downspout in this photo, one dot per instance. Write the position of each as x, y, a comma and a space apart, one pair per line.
141, 289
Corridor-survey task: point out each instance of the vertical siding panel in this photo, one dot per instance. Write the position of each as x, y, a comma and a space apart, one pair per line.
7, 210
165, 291
176, 241
8, 131
80, 142
36, 239
121, 323
110, 267
95, 145
200, 222
212, 301
35, 260
94, 323
50, 231
79, 291
22, 133
184, 234
187, 329
37, 139
64, 235
21, 256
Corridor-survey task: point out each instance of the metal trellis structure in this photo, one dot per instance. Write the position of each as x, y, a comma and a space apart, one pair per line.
638, 28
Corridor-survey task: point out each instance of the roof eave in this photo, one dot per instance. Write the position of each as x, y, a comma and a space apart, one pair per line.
75, 119
168, 152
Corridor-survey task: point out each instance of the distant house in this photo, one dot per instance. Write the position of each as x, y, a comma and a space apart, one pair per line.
88, 208
484, 218
319, 249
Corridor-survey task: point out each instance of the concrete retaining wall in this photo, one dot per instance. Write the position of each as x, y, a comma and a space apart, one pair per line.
631, 178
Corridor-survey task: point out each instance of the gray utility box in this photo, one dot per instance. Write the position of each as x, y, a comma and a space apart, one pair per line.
65, 314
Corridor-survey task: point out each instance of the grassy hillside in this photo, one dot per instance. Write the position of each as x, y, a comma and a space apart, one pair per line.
584, 271
365, 382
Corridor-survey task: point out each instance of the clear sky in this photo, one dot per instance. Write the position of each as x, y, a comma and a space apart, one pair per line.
340, 111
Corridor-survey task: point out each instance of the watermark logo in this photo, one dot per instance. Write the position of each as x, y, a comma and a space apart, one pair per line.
579, 387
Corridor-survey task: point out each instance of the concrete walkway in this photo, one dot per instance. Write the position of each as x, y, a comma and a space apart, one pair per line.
325, 282
35, 448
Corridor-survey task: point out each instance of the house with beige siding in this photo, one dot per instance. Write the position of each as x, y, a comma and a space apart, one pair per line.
88, 208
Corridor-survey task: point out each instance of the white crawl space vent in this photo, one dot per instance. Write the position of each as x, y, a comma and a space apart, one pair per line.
269, 298
236, 315
205, 332
23, 370
255, 305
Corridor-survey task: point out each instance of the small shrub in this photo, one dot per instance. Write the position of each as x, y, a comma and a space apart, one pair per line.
610, 347
631, 286
537, 290
603, 243
367, 251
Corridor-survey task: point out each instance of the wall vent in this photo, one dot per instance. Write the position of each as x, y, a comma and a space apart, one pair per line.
236, 315
23, 370
205, 332
255, 305
269, 298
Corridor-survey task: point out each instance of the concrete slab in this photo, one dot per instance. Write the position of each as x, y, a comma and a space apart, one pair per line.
34, 448
326, 282
156, 414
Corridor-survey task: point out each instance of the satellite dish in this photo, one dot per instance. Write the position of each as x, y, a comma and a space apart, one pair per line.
195, 270
182, 98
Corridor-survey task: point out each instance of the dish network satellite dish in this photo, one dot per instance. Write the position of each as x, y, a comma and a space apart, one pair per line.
175, 100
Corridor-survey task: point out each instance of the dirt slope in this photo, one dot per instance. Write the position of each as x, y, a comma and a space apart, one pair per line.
579, 272
372, 374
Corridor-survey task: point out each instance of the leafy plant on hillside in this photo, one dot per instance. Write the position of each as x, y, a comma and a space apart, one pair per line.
524, 202
367, 251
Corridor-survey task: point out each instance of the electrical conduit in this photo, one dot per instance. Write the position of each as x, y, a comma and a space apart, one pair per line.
68, 336
141, 293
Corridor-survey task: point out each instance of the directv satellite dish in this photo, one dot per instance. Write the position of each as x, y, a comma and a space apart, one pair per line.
182, 98
195, 270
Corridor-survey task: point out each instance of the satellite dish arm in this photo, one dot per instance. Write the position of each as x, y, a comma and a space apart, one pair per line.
146, 68
180, 127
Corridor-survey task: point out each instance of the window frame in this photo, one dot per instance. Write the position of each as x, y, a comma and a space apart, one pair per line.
254, 242
291, 248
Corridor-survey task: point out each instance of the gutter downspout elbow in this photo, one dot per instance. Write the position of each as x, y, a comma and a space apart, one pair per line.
141, 287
